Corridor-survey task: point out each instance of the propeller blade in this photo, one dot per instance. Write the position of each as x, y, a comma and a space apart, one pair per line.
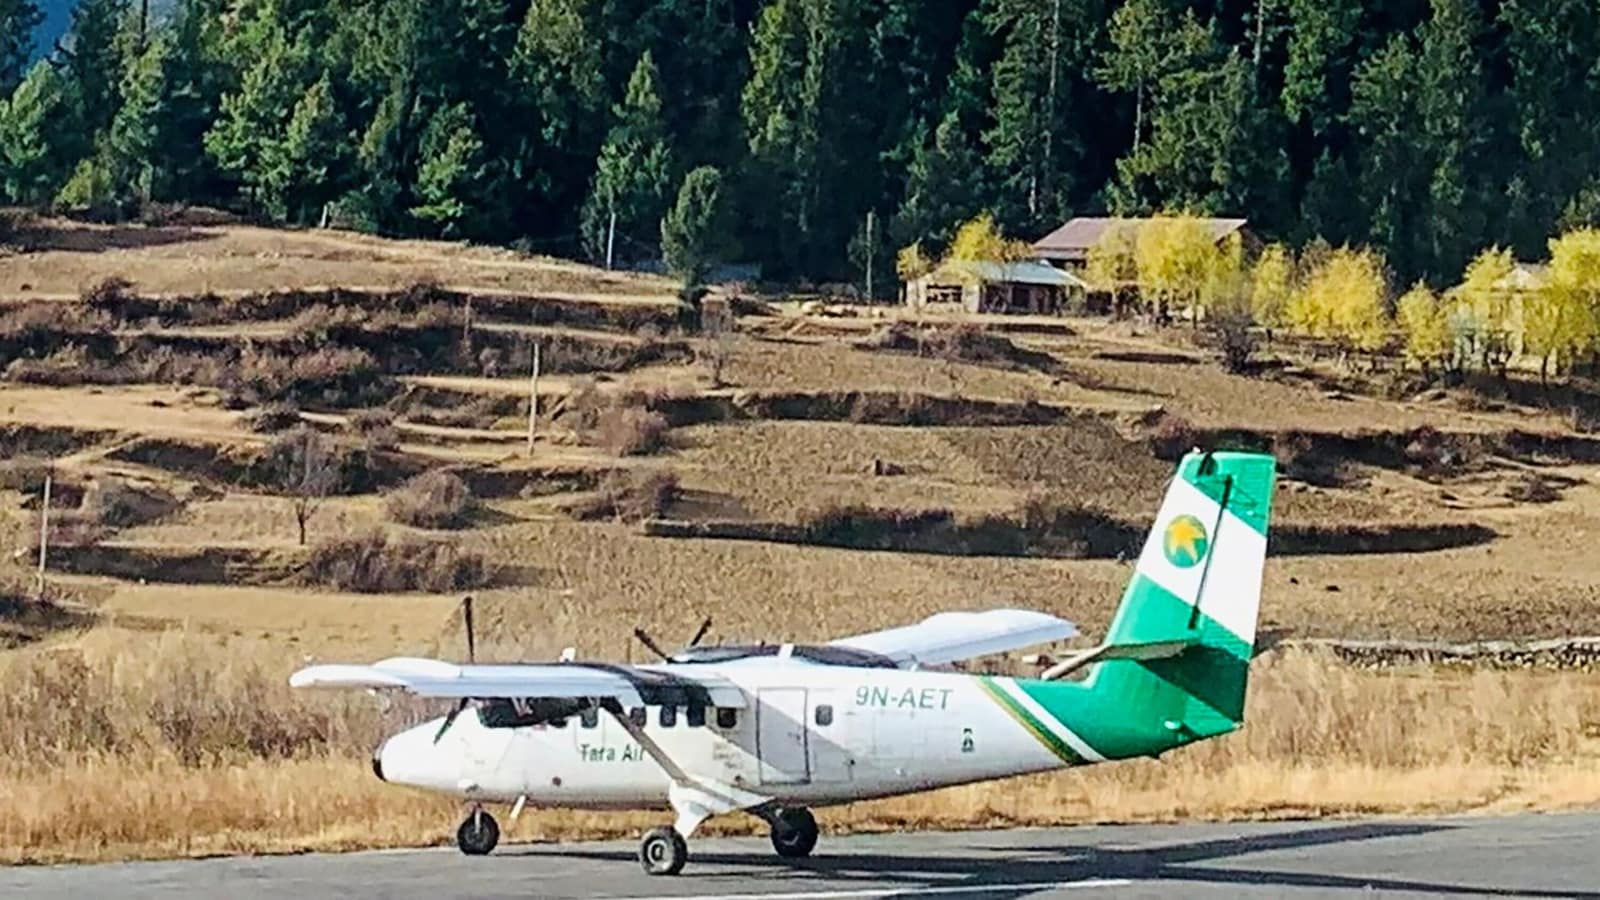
704, 627
466, 614
645, 640
450, 719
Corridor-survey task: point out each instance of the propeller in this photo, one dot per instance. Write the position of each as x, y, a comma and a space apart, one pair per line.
472, 657
645, 639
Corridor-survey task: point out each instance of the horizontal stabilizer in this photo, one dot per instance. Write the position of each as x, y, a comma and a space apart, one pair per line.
952, 636
1146, 650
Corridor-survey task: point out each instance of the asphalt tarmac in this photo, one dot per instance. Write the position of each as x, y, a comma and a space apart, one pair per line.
1520, 856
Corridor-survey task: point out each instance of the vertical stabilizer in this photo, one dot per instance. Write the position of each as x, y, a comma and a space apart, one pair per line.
1198, 579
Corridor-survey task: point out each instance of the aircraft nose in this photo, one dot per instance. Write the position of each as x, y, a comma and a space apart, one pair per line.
413, 758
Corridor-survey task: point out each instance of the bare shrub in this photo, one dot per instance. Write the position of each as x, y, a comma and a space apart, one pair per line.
584, 404
66, 367
435, 499
1235, 338
1172, 436
631, 430
376, 428
273, 418
629, 497
321, 323
113, 295
304, 466
379, 563
717, 326
1533, 488
115, 503
1438, 454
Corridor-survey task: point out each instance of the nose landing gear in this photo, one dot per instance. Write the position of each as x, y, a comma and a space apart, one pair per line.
663, 851
478, 834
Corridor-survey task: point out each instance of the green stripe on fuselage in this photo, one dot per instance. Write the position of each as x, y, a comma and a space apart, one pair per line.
1029, 722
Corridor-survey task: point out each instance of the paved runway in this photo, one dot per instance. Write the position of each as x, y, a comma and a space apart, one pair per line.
1522, 856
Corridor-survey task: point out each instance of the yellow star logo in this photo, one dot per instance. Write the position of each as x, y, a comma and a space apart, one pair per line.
1185, 541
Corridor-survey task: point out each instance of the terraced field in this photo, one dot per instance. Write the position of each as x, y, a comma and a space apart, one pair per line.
799, 476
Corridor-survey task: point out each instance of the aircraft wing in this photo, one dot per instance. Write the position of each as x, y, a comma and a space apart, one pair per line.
951, 636
628, 685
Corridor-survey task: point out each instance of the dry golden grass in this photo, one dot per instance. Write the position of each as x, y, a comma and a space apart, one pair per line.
71, 256
184, 746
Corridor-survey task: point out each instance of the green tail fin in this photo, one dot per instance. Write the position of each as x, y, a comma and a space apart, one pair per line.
1198, 580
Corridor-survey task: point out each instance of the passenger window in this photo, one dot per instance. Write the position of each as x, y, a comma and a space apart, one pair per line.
590, 717
824, 715
697, 716
669, 716
727, 717
558, 723
638, 716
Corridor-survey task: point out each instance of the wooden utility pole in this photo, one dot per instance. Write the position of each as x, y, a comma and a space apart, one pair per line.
871, 240
44, 530
611, 238
533, 398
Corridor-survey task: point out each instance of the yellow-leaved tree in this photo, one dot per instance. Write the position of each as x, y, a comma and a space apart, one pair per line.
1176, 259
1425, 322
1271, 283
1484, 295
979, 239
910, 263
1342, 300
1112, 266
1562, 318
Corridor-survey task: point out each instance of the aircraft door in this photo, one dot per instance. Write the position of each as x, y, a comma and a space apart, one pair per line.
781, 735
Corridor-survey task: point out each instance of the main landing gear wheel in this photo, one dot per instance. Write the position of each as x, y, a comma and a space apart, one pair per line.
663, 851
794, 832
478, 834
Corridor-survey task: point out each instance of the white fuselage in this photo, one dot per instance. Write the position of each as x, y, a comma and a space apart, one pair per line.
809, 734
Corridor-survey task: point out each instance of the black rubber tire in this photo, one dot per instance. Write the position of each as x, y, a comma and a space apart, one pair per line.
794, 833
478, 834
662, 851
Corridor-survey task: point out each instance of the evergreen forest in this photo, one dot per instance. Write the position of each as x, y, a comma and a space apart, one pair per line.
827, 132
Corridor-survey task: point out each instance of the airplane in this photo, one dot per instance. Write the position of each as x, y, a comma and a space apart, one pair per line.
775, 730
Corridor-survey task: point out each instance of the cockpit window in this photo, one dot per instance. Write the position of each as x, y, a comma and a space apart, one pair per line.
727, 717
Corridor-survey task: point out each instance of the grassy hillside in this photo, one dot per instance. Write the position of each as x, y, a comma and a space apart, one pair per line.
798, 476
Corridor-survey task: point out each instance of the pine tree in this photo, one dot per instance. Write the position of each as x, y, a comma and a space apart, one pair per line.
811, 158
450, 172
244, 139
557, 68
94, 66
694, 233
30, 164
945, 186
1033, 141
135, 148
633, 173
309, 161
1140, 33
18, 19
1212, 147
1551, 46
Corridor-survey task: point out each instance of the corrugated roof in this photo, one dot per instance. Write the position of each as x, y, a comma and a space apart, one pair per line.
1073, 240
1014, 273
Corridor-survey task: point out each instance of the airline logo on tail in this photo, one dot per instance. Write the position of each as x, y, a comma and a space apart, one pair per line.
1185, 541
